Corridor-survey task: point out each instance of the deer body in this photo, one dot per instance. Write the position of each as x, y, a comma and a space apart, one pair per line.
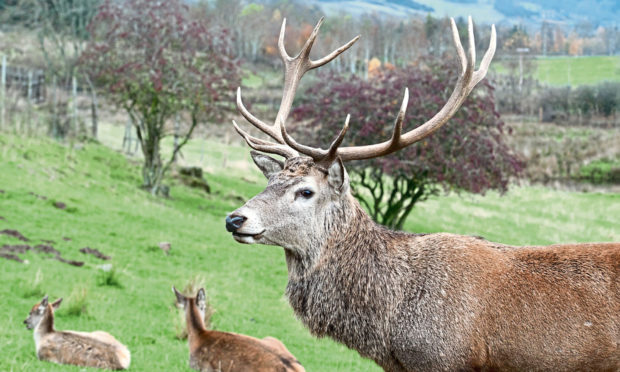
444, 302
94, 349
214, 351
425, 302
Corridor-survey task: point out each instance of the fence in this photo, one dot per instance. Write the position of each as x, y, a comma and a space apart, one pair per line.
26, 82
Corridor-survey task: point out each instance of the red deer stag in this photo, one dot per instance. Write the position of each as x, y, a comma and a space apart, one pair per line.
422, 302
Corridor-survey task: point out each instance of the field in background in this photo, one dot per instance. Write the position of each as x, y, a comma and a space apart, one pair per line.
245, 284
578, 70
573, 71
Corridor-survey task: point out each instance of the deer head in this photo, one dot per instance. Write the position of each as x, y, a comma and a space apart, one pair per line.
40, 311
308, 195
185, 303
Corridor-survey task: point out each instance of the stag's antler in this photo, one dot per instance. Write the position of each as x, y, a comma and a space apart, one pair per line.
296, 67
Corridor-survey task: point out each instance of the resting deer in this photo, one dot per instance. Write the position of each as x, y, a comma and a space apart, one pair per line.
214, 351
95, 349
421, 302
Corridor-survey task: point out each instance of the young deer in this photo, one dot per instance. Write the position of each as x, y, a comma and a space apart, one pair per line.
94, 349
422, 302
215, 351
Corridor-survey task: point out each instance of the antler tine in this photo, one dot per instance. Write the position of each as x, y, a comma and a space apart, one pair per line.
398, 125
332, 152
262, 126
305, 50
265, 146
486, 59
319, 155
468, 78
328, 58
472, 43
459, 47
283, 54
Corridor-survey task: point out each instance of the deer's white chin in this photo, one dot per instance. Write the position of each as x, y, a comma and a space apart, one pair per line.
248, 238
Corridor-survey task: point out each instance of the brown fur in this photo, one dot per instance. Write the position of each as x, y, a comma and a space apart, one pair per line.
435, 302
214, 351
96, 349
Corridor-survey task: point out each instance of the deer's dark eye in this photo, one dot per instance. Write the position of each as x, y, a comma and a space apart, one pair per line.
305, 193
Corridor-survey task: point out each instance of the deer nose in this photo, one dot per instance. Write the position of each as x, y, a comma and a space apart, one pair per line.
234, 222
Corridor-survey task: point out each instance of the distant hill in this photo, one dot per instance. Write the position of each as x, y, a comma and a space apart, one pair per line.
570, 12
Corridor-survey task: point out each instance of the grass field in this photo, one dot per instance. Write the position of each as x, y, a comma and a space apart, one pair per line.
574, 70
245, 284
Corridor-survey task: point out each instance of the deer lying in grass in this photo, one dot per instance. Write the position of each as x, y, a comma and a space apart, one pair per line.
422, 302
94, 349
215, 351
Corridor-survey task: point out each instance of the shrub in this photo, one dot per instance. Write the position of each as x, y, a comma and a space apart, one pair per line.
108, 276
77, 303
608, 98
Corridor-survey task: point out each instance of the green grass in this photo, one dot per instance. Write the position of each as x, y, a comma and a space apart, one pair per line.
573, 71
578, 70
245, 284
601, 171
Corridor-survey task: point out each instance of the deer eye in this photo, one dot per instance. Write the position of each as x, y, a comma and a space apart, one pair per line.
305, 193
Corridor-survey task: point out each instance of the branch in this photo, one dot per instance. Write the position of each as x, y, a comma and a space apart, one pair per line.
409, 207
194, 115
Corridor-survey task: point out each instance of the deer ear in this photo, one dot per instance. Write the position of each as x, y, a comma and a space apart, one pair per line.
181, 300
44, 302
337, 176
56, 304
268, 165
201, 299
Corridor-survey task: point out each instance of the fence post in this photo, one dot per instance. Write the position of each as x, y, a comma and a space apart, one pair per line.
29, 94
28, 125
55, 120
74, 113
3, 93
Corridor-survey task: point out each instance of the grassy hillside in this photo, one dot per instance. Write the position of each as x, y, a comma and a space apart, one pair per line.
245, 284
105, 210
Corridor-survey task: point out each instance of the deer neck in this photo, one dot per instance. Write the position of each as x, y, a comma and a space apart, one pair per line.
341, 222
337, 295
45, 326
195, 323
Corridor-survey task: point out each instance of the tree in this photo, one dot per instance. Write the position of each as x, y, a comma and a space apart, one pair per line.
155, 62
467, 154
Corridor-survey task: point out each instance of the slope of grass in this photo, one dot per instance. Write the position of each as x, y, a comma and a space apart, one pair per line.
105, 210
245, 284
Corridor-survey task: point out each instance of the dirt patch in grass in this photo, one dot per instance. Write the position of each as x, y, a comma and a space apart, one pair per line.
10, 252
95, 252
15, 234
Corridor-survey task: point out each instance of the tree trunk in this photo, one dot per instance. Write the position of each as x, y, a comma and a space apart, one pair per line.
152, 170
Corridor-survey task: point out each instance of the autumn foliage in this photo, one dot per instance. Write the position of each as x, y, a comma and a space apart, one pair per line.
468, 153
